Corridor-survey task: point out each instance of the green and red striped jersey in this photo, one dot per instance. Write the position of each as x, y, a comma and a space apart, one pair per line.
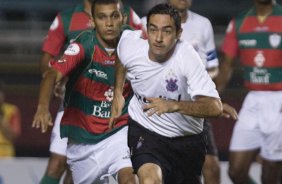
258, 45
89, 91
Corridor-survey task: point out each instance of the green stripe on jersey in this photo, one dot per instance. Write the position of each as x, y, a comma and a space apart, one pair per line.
80, 135
263, 75
100, 73
100, 109
259, 40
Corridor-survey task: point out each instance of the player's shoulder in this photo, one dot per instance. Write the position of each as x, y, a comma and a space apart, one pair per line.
184, 45
131, 35
85, 37
277, 9
67, 12
245, 13
184, 49
130, 43
198, 18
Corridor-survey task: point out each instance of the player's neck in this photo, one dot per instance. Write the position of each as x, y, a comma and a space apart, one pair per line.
87, 7
107, 45
183, 16
263, 11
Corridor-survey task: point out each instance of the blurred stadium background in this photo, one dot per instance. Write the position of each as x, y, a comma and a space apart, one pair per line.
23, 25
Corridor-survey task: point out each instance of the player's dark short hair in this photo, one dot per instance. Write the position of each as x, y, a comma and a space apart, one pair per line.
95, 2
166, 9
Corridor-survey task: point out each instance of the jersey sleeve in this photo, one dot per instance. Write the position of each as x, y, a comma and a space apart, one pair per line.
73, 57
55, 39
198, 80
212, 60
230, 42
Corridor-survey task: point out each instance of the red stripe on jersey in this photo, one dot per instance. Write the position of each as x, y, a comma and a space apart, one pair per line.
55, 40
263, 87
96, 90
80, 21
102, 57
272, 57
88, 122
67, 63
272, 23
230, 43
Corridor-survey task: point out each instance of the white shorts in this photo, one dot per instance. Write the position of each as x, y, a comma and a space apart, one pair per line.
58, 145
259, 125
89, 162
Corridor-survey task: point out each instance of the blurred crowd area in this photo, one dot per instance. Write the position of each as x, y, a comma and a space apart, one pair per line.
23, 25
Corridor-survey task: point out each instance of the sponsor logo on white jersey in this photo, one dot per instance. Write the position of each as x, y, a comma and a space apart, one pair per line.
248, 43
72, 50
274, 40
171, 81
55, 24
98, 73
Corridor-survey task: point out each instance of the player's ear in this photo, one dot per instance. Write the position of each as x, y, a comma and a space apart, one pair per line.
124, 18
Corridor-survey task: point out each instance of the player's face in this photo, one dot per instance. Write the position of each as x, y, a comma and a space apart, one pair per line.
181, 5
108, 22
162, 37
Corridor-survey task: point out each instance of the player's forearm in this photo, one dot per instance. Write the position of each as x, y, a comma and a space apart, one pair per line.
44, 64
225, 73
119, 77
46, 89
204, 107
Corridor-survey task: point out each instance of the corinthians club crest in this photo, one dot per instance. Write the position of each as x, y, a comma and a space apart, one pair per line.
171, 82
274, 40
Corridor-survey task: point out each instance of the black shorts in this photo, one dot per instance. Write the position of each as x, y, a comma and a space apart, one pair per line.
181, 159
211, 146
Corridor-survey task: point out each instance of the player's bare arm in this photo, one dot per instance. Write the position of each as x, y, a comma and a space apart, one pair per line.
225, 73
44, 64
118, 100
202, 107
42, 118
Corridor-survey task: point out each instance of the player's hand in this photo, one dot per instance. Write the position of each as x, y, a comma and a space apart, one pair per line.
159, 106
229, 111
42, 119
116, 109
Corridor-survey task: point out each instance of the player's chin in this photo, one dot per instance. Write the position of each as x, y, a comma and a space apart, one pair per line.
110, 36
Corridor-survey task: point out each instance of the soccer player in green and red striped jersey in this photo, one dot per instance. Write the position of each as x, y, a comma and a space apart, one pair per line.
255, 37
67, 25
93, 149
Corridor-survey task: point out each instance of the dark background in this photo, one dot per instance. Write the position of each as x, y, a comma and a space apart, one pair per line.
23, 25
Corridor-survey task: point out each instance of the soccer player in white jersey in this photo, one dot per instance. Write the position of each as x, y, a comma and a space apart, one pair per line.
198, 31
173, 95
